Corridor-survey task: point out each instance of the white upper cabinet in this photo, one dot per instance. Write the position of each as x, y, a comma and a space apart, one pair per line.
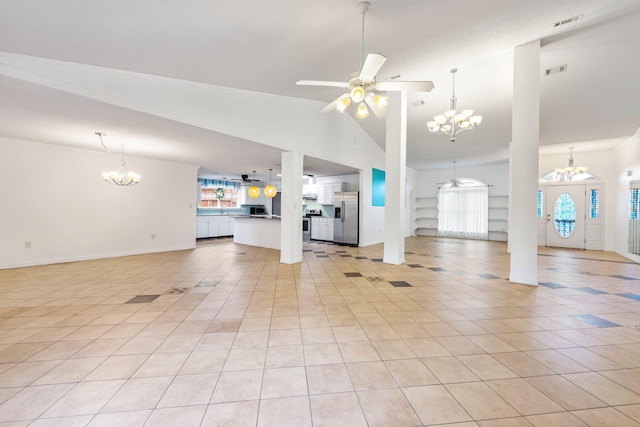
325, 193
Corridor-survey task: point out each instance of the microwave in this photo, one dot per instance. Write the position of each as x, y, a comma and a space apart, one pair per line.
256, 210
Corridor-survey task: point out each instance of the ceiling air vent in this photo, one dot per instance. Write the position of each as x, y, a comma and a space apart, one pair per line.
556, 70
568, 20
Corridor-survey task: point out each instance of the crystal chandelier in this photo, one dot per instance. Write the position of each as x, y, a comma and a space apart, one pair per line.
453, 122
567, 174
120, 177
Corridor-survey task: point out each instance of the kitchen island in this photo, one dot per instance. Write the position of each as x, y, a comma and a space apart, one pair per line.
257, 231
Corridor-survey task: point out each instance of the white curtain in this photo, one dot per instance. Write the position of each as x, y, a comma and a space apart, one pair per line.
463, 212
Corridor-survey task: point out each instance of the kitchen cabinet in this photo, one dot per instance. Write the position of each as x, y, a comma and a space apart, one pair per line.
208, 226
326, 191
226, 226
214, 226
322, 228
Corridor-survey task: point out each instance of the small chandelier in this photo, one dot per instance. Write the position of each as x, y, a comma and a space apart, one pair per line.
453, 122
253, 191
120, 177
270, 190
567, 174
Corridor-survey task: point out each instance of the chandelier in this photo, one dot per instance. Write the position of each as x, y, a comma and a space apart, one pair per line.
120, 177
453, 122
567, 174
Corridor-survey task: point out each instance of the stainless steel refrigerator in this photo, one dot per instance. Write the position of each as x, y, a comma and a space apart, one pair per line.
345, 223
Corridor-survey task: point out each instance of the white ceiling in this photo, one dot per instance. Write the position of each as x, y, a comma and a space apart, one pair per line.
267, 46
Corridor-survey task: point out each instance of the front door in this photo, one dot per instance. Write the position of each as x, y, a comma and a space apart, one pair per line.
565, 205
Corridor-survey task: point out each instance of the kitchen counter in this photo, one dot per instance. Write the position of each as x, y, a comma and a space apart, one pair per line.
257, 231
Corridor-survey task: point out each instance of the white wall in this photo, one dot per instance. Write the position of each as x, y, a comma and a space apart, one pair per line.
496, 175
55, 198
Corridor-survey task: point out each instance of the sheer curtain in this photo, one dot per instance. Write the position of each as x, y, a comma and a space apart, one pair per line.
463, 212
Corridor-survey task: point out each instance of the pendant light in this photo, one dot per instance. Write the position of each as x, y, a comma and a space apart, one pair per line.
452, 122
569, 172
120, 177
253, 191
270, 190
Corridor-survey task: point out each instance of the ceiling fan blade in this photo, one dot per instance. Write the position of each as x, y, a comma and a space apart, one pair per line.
333, 104
379, 112
321, 83
425, 86
371, 66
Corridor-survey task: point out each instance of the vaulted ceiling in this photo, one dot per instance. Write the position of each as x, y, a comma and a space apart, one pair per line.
267, 46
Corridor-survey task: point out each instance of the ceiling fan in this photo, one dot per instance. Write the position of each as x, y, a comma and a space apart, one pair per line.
362, 84
245, 178
453, 182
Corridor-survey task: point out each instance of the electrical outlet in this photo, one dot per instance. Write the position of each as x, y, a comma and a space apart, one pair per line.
27, 244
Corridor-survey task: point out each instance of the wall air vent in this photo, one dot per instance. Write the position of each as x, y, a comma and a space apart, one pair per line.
568, 20
556, 70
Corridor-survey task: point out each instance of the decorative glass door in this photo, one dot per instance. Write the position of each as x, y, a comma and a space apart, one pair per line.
566, 216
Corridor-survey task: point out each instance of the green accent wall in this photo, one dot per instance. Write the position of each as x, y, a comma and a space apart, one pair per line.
377, 187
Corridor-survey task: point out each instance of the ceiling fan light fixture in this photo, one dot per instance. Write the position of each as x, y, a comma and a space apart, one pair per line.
357, 94
363, 111
343, 104
380, 101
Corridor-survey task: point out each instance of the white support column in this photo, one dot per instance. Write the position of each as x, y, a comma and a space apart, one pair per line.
291, 208
395, 178
523, 176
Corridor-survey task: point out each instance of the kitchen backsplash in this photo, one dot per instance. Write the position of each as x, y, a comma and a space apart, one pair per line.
327, 210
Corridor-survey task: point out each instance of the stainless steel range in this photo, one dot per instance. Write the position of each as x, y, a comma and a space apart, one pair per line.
306, 223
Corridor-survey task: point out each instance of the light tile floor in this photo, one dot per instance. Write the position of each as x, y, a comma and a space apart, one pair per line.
224, 335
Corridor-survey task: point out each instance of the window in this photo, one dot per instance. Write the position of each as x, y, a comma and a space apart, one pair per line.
554, 176
634, 223
565, 215
634, 202
210, 198
463, 210
539, 203
594, 204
